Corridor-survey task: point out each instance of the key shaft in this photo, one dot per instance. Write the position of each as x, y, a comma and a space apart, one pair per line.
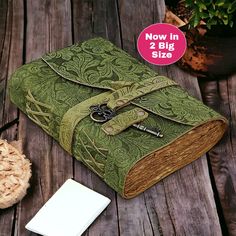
155, 132
101, 113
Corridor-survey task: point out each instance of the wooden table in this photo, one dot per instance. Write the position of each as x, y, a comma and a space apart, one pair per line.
200, 199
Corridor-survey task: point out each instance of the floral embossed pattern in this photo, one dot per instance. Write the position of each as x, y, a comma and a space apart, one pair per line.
67, 77
98, 63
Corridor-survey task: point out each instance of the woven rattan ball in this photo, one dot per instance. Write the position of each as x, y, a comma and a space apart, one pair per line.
15, 172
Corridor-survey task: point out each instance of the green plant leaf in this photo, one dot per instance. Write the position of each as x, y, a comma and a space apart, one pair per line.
220, 3
203, 15
196, 20
226, 21
202, 7
213, 12
231, 8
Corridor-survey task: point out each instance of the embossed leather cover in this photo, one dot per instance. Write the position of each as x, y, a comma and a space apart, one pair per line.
57, 90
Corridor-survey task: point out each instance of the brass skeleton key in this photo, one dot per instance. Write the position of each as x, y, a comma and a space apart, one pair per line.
101, 113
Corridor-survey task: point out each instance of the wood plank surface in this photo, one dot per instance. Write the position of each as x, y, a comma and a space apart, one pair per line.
48, 28
93, 19
221, 96
136, 211
15, 52
181, 204
11, 55
184, 199
11, 52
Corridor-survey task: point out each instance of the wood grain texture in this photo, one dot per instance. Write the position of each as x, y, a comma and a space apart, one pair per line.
221, 96
48, 28
11, 54
4, 46
7, 216
93, 19
134, 215
186, 193
181, 204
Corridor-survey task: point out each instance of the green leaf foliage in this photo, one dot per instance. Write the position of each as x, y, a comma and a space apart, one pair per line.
212, 12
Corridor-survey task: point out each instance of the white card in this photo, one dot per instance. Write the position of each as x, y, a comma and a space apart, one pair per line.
69, 211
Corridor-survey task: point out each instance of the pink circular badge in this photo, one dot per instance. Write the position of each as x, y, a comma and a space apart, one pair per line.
161, 44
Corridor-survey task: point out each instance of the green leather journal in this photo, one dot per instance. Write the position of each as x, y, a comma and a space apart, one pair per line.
128, 124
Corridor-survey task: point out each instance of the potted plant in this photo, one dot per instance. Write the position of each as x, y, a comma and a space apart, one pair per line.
210, 29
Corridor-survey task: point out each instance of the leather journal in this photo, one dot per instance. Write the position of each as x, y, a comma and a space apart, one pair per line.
124, 121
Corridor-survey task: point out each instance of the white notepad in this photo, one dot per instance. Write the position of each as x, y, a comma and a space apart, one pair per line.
69, 211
